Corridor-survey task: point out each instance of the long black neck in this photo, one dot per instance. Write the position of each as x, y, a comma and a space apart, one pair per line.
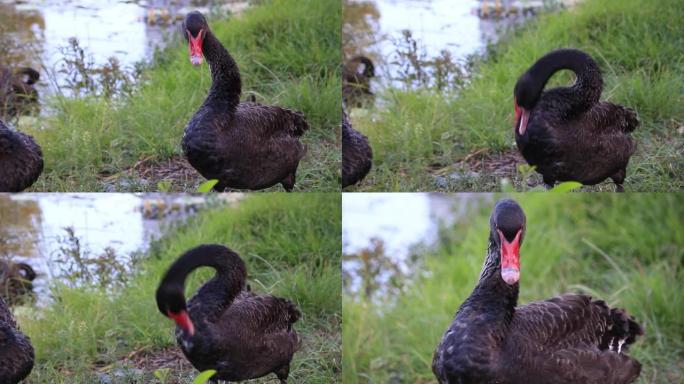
216, 294
491, 294
588, 86
226, 85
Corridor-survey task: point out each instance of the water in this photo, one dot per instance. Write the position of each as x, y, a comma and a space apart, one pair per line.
400, 220
32, 226
129, 30
372, 27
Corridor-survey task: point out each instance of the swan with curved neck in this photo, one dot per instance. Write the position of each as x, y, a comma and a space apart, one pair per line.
242, 145
567, 132
225, 326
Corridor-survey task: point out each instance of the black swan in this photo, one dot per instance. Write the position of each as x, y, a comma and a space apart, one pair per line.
16, 281
570, 339
21, 160
356, 75
16, 351
357, 156
17, 93
242, 145
225, 326
566, 132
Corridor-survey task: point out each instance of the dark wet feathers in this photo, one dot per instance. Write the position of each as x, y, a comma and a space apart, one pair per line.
16, 352
21, 160
255, 147
357, 155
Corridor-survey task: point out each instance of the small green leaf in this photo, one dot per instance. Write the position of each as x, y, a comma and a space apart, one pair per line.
164, 186
566, 187
204, 376
207, 186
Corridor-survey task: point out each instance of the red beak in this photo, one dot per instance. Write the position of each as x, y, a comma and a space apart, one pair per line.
522, 115
183, 320
195, 44
510, 258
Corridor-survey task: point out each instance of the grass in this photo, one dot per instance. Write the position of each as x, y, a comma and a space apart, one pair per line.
288, 54
291, 245
627, 250
638, 45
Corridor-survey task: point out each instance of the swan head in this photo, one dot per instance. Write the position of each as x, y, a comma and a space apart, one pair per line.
195, 29
171, 303
507, 226
525, 97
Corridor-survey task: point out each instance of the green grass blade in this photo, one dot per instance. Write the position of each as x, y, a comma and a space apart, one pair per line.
204, 376
207, 186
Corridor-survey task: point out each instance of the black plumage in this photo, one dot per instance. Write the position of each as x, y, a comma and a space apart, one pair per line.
21, 160
566, 132
18, 95
357, 73
242, 145
16, 351
570, 339
226, 327
357, 155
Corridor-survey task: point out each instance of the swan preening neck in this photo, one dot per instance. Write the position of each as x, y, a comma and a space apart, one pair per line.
584, 93
220, 291
226, 85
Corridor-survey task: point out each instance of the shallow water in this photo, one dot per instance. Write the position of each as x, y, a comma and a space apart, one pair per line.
400, 220
33, 226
